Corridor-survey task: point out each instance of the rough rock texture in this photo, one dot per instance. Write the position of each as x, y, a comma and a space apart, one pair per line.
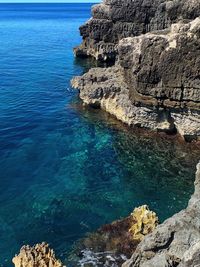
118, 240
176, 242
113, 20
38, 256
143, 222
155, 83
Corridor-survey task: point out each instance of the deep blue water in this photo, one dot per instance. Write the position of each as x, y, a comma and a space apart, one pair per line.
64, 169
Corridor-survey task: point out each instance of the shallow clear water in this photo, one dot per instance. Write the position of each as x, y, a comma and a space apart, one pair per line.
66, 170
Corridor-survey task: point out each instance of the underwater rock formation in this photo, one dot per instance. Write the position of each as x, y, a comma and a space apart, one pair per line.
155, 83
117, 240
176, 242
39, 255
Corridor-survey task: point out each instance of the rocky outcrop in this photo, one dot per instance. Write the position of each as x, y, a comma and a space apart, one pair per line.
176, 242
114, 20
143, 222
154, 84
116, 241
39, 255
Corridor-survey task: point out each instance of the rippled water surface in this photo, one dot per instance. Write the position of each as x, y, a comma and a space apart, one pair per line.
66, 170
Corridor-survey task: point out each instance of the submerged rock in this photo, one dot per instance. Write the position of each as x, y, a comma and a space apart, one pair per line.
116, 241
39, 255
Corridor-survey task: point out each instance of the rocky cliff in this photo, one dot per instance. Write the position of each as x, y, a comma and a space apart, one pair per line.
176, 242
114, 20
113, 243
155, 82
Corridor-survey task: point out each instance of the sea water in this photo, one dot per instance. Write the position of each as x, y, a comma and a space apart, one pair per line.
64, 169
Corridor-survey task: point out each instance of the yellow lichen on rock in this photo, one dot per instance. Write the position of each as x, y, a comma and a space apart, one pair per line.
39, 255
144, 222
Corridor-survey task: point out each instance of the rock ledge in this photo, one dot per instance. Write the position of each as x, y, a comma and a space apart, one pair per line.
155, 82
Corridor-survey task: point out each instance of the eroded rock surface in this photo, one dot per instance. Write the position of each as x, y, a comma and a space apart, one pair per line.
113, 20
143, 222
155, 83
176, 242
39, 255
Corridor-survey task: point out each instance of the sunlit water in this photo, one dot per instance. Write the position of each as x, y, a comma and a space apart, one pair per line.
66, 170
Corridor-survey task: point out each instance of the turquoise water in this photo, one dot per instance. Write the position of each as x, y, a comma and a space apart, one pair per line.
64, 169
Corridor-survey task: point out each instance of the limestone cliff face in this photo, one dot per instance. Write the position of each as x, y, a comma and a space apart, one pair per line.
113, 20
155, 82
176, 242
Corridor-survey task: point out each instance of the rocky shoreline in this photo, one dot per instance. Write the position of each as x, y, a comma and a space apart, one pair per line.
176, 242
111, 244
39, 255
155, 82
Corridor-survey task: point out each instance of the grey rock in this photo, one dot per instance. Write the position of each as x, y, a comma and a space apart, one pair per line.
113, 20
191, 257
154, 84
176, 242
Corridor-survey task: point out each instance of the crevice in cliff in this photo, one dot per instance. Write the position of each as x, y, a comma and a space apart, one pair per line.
166, 245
